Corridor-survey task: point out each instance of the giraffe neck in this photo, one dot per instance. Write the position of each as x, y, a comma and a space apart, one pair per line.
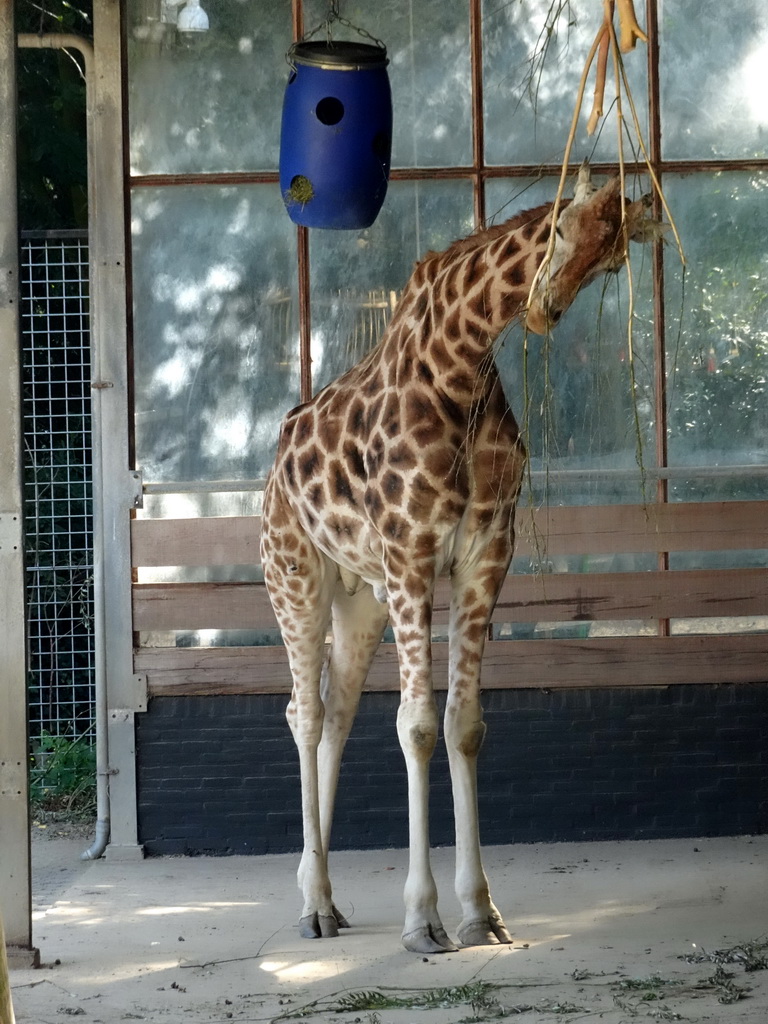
459, 301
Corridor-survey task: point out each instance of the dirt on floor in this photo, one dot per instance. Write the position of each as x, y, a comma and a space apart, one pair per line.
616, 932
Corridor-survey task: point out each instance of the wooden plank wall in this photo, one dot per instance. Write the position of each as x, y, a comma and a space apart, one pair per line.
562, 597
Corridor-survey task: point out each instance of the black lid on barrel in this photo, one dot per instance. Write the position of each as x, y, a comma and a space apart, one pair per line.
339, 56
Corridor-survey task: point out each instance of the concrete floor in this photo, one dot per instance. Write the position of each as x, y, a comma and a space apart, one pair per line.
599, 930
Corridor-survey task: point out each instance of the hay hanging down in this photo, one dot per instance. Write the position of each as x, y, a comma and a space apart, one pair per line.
606, 43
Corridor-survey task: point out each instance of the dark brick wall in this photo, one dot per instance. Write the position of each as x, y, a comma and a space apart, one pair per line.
220, 774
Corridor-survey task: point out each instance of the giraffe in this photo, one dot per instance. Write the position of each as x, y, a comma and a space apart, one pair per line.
405, 468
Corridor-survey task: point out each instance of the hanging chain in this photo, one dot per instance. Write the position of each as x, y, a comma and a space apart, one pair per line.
335, 16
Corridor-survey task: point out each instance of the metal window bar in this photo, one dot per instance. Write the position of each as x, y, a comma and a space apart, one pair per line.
57, 482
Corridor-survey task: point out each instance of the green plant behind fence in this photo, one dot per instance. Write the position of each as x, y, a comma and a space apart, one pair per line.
63, 775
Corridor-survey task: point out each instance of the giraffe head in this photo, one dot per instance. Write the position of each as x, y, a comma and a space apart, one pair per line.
593, 233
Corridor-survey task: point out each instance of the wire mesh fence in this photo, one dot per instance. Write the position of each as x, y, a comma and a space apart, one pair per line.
57, 481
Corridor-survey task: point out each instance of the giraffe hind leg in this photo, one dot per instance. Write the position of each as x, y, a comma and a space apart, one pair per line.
357, 624
358, 621
301, 583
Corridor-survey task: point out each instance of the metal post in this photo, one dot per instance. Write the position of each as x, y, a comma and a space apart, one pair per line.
15, 888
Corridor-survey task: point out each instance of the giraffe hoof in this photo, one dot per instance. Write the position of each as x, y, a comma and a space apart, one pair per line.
322, 926
488, 931
309, 927
329, 926
428, 940
341, 921
318, 926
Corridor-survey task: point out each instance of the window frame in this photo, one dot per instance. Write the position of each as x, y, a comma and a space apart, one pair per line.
478, 173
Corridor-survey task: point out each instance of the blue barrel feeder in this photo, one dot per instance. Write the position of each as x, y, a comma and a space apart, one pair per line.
336, 135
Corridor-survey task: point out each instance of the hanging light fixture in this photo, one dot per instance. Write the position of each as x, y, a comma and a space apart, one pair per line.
192, 18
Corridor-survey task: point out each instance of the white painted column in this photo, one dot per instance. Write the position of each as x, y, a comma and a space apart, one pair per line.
117, 489
15, 888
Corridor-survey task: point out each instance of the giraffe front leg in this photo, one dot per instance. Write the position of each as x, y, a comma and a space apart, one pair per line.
423, 931
410, 586
481, 923
471, 609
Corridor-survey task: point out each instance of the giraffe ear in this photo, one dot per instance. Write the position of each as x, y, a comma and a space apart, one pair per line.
641, 228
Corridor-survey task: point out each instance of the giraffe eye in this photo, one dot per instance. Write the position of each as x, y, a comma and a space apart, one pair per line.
559, 232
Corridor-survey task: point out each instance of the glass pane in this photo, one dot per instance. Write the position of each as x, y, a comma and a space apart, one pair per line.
588, 424
541, 563
714, 78
180, 504
429, 71
206, 101
214, 638
215, 330
723, 624
715, 560
719, 559
717, 334
358, 276
533, 57
554, 630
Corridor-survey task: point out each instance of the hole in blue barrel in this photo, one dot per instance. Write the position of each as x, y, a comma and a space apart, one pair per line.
301, 190
329, 110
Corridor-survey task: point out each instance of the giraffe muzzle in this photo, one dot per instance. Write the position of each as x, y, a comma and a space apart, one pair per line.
542, 316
